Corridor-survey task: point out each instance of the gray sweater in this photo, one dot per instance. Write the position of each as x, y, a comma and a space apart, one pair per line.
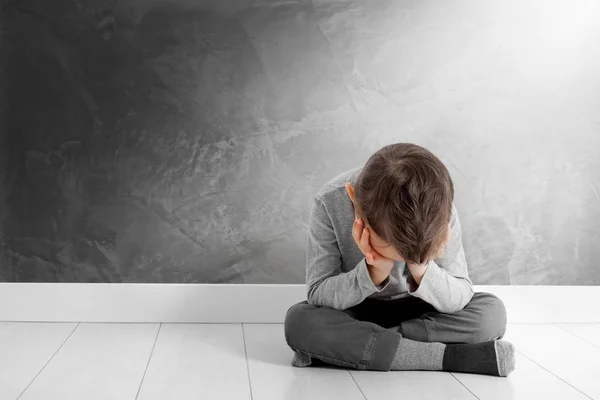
336, 270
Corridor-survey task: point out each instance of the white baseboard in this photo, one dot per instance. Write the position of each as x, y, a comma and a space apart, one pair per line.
208, 303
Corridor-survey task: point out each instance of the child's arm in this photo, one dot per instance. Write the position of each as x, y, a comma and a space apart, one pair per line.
446, 284
326, 284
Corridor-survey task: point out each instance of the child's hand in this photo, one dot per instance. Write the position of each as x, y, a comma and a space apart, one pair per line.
418, 270
378, 265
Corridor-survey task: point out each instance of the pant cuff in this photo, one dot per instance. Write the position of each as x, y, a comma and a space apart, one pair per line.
385, 343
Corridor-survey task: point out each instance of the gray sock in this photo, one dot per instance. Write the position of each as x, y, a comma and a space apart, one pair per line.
301, 360
506, 357
412, 355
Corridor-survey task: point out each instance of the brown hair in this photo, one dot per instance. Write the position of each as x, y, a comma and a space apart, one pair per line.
405, 193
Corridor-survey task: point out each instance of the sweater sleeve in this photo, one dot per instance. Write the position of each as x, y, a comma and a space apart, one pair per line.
446, 284
326, 284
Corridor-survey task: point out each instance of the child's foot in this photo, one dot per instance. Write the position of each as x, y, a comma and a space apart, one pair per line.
301, 360
489, 358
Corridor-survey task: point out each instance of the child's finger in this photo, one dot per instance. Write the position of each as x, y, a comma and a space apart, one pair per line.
364, 242
356, 232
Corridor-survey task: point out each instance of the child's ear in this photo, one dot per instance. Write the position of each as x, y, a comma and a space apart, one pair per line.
350, 191
448, 233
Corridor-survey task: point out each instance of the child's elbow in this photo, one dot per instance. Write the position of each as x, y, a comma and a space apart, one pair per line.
312, 295
456, 306
452, 309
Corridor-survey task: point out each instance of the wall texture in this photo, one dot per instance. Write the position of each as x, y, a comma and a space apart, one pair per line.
181, 141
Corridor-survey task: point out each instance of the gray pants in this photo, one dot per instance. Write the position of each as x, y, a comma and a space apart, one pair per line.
366, 336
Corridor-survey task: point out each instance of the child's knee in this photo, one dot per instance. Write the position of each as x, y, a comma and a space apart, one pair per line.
297, 323
492, 319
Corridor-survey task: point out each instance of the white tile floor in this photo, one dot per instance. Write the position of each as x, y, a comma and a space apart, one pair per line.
251, 361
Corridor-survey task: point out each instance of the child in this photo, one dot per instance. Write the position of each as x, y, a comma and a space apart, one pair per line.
386, 275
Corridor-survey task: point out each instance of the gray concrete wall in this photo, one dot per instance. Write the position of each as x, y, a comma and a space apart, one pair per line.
181, 141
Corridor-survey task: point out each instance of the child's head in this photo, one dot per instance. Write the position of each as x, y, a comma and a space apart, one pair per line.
404, 194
